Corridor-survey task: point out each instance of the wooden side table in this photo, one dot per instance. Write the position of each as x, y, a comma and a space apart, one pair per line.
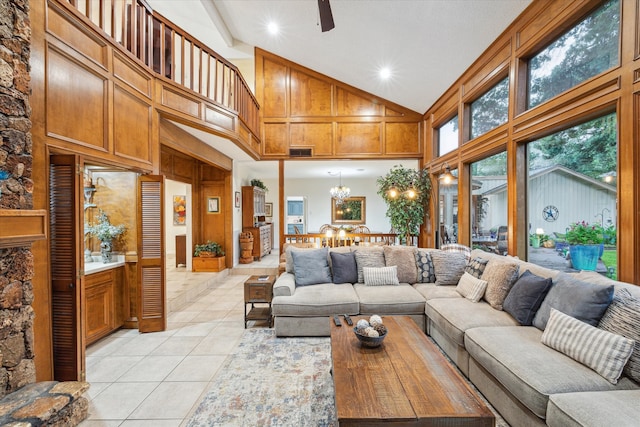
258, 291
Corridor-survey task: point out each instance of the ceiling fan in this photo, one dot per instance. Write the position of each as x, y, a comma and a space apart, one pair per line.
326, 17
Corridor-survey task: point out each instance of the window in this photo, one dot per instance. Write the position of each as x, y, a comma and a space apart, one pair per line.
448, 210
572, 178
489, 204
491, 109
448, 136
586, 50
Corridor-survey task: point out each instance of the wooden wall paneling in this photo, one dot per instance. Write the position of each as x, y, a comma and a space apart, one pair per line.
402, 138
75, 94
446, 107
179, 140
68, 29
351, 104
213, 224
219, 117
132, 75
180, 102
489, 72
310, 97
132, 125
358, 139
275, 139
274, 91
318, 136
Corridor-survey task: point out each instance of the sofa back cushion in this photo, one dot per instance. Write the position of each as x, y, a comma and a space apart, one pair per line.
311, 267
344, 267
404, 257
582, 300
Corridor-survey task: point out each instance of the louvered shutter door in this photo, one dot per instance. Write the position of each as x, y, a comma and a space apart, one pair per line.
151, 274
66, 284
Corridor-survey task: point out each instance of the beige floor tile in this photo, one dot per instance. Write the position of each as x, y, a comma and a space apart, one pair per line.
197, 368
109, 368
182, 395
151, 369
119, 400
177, 346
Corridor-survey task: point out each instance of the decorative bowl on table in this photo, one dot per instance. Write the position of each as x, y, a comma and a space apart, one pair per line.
367, 341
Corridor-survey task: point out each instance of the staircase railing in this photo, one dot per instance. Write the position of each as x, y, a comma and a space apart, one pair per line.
171, 52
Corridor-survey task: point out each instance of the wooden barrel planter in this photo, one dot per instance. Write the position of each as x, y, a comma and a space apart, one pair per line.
246, 248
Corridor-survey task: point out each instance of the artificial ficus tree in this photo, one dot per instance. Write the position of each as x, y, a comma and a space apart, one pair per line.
407, 193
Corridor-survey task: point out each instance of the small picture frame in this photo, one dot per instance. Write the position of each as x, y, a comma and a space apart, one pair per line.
213, 205
268, 209
237, 199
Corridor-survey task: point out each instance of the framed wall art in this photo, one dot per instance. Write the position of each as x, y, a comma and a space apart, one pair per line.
179, 210
213, 205
268, 209
237, 199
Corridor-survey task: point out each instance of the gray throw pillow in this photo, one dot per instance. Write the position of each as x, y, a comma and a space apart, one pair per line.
623, 318
311, 267
449, 267
526, 296
368, 257
426, 270
344, 265
581, 300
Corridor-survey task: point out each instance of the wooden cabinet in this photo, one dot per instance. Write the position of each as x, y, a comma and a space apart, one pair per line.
181, 249
262, 240
253, 205
103, 303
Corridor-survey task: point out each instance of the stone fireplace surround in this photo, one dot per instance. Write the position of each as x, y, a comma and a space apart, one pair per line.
21, 398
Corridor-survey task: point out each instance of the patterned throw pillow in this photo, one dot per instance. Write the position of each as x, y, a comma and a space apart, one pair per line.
380, 276
623, 318
476, 267
404, 258
602, 351
449, 267
368, 257
471, 287
500, 276
426, 270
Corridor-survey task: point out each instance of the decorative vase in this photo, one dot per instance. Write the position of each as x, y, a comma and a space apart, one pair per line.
584, 257
105, 250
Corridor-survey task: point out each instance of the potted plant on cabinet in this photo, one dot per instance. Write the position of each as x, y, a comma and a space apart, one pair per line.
585, 245
208, 257
106, 233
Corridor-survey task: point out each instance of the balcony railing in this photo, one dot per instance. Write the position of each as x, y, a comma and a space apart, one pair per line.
171, 52
349, 239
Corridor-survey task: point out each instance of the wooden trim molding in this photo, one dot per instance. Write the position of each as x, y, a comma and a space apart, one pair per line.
22, 227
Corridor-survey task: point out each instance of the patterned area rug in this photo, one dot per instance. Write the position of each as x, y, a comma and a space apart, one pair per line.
271, 381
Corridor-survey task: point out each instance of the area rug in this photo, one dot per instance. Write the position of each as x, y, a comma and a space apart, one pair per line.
270, 381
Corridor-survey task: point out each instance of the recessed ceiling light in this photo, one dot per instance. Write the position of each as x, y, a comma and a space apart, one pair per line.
273, 28
385, 73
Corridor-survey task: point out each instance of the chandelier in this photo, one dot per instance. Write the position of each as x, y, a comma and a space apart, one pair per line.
340, 192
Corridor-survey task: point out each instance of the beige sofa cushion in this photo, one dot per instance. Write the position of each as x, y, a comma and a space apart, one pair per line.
594, 408
431, 290
389, 299
325, 299
531, 371
454, 316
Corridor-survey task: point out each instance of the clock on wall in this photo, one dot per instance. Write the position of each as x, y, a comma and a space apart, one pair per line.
550, 213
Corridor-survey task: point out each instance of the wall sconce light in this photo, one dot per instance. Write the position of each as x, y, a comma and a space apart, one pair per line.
446, 178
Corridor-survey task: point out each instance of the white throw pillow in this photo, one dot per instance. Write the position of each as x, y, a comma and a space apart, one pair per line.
378, 276
471, 288
602, 351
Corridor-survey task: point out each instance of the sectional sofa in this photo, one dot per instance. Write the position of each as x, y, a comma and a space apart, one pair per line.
490, 314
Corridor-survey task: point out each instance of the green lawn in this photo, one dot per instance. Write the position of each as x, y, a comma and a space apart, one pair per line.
610, 259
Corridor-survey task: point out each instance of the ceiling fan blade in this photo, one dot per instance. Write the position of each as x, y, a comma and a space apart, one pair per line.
326, 17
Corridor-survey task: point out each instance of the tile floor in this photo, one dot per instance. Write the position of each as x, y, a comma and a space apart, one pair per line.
157, 379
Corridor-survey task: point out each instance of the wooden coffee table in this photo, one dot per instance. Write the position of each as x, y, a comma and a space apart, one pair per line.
406, 381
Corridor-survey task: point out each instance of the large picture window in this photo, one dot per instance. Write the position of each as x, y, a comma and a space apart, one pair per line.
448, 136
586, 50
489, 204
572, 179
491, 109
